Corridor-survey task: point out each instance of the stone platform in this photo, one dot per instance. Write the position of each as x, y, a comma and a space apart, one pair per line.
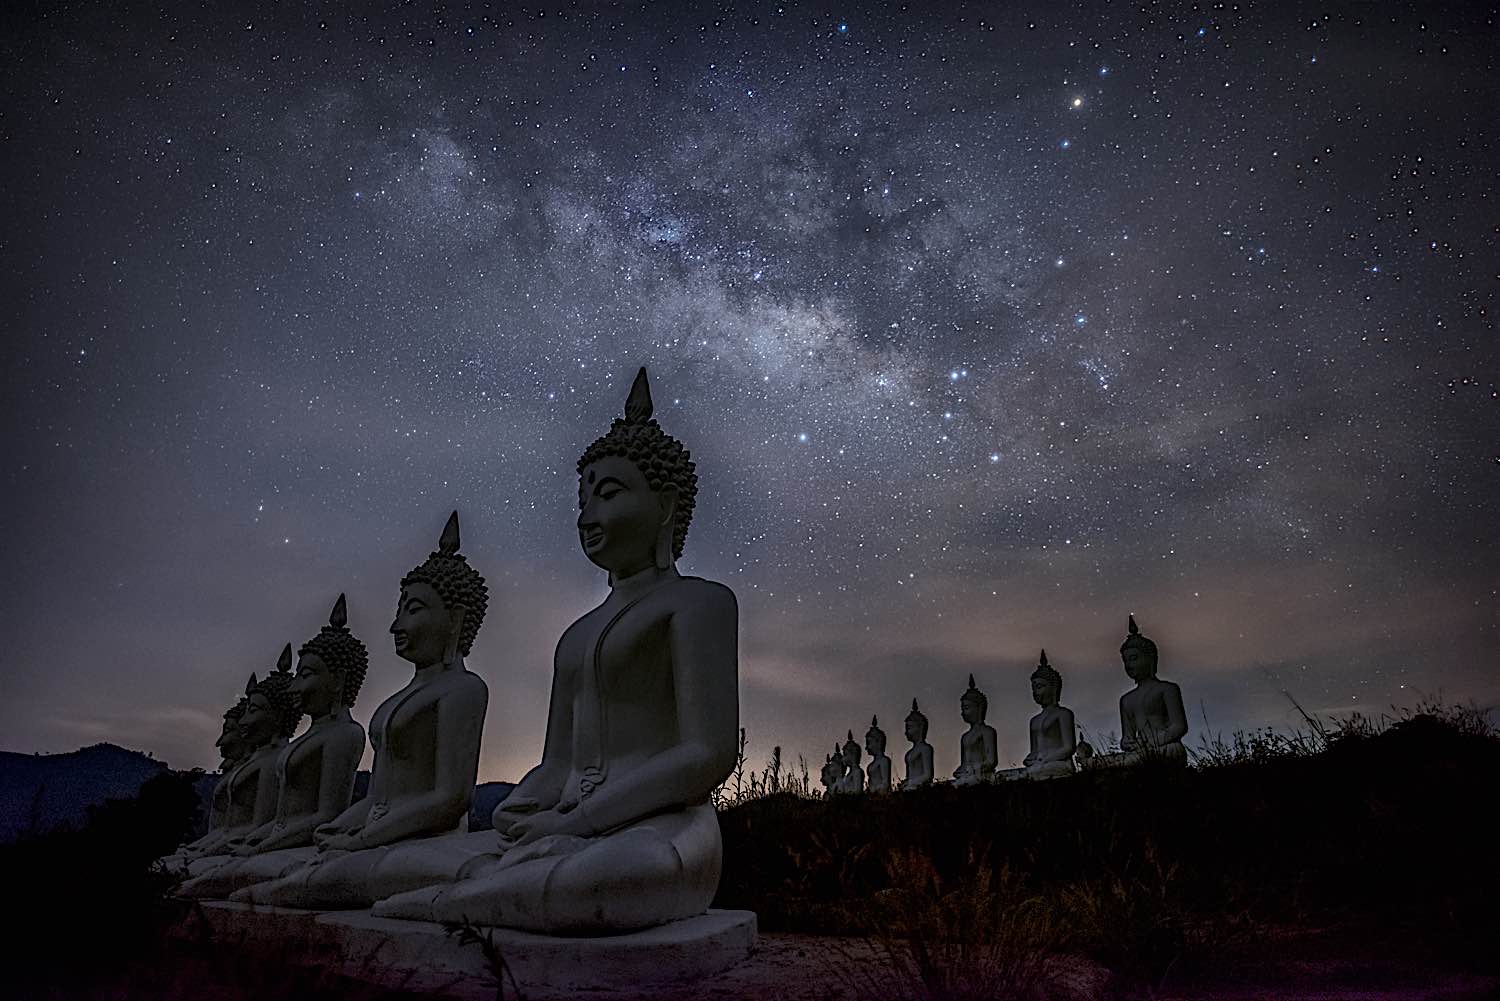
420, 955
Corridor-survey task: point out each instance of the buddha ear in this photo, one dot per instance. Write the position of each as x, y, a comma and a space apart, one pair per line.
456, 617
666, 528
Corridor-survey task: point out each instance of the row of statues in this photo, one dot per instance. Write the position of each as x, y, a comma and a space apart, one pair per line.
613, 829
1152, 725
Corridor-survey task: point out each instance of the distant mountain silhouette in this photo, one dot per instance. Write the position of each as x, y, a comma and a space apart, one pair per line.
48, 792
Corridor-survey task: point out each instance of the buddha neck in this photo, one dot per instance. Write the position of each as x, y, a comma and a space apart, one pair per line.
631, 586
336, 714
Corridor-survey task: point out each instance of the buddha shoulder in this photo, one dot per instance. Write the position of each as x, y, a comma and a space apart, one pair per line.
697, 595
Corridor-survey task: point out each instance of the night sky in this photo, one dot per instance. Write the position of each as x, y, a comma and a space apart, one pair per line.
985, 327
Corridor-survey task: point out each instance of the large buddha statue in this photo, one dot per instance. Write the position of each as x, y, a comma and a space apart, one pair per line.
1152, 720
978, 746
269, 719
1053, 735
426, 740
919, 755
315, 772
613, 830
853, 780
878, 771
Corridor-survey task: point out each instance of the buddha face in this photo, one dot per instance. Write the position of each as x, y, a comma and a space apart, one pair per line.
231, 743
317, 686
423, 625
258, 724
1044, 692
874, 743
620, 516
971, 709
1137, 664
916, 731
850, 754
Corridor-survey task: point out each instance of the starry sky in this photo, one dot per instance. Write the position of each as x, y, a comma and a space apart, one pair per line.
985, 325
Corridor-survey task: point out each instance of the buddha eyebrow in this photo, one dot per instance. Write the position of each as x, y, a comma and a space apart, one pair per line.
606, 482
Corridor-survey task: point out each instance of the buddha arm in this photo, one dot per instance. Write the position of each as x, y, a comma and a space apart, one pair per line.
991, 749
460, 721
703, 645
1177, 727
1067, 735
1128, 740
544, 783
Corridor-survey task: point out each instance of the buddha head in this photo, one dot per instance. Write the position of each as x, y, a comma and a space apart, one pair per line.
830, 772
850, 752
330, 666
231, 742
1138, 654
636, 488
840, 766
1046, 684
270, 708
875, 738
916, 724
442, 605
973, 705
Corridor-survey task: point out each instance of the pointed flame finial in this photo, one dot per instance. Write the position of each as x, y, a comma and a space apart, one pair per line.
851, 735
638, 408
874, 722
339, 617
284, 662
448, 543
1044, 658
914, 706
250, 685
1134, 629
971, 681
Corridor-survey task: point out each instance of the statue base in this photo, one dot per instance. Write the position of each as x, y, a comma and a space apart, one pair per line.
421, 955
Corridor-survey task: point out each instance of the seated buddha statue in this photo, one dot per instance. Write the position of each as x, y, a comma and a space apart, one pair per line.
613, 829
270, 717
426, 741
853, 780
1053, 734
919, 755
977, 747
233, 750
830, 774
315, 772
878, 771
1152, 720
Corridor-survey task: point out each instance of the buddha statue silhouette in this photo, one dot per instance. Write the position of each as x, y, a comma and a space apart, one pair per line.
1053, 736
1152, 719
613, 829
978, 751
315, 772
919, 756
878, 771
426, 740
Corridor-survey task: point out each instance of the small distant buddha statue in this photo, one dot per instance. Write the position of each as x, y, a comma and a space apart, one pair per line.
426, 741
1152, 720
1053, 734
315, 772
878, 771
613, 830
853, 780
978, 746
830, 775
269, 719
233, 750
919, 756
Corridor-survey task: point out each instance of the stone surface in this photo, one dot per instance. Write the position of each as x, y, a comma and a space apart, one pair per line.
613, 830
421, 955
426, 740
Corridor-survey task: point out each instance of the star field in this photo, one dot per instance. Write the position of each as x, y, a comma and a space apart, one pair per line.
985, 327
